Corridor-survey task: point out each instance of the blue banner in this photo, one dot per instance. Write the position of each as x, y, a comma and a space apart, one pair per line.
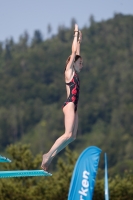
106, 180
84, 174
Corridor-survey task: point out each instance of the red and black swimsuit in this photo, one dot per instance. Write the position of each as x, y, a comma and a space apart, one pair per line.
74, 85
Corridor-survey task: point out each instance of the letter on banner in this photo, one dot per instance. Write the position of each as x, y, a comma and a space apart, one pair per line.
84, 174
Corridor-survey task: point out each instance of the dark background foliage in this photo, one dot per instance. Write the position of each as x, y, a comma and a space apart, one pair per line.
32, 92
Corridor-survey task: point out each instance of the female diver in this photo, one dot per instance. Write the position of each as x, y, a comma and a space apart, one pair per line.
74, 64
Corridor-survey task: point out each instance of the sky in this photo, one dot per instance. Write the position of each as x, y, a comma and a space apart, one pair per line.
18, 16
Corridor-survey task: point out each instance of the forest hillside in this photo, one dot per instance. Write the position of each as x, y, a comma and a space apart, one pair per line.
32, 90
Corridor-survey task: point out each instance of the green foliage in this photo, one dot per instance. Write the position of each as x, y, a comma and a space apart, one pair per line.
36, 187
120, 188
32, 89
56, 186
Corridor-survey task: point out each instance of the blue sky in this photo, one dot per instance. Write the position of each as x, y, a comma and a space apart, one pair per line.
17, 16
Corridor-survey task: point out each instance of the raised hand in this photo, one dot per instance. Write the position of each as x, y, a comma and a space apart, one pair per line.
80, 37
76, 28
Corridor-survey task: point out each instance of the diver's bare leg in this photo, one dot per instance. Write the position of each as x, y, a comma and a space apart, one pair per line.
65, 139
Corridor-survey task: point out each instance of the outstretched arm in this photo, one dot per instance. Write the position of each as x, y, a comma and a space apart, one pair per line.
78, 45
74, 48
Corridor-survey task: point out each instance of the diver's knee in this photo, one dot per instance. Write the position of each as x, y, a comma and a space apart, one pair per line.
69, 135
74, 137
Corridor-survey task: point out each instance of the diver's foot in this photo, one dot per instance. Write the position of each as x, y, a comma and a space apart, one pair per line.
45, 162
